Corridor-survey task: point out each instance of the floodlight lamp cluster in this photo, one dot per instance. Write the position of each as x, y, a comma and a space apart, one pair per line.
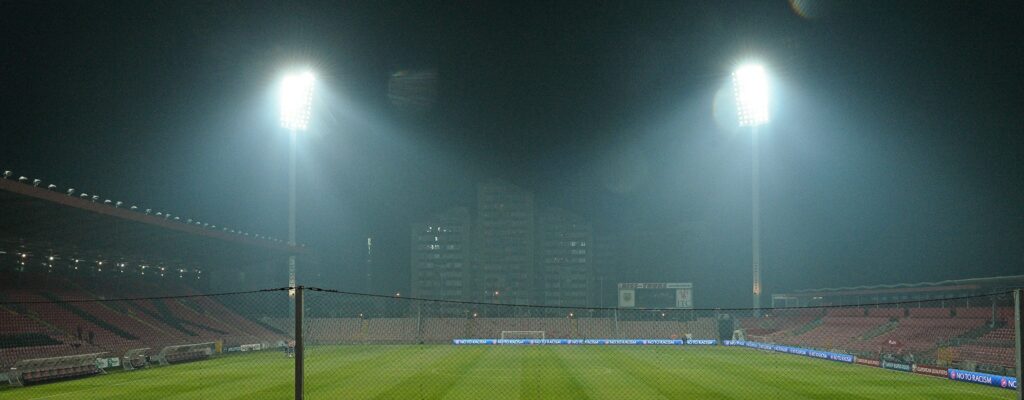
750, 86
296, 100
26, 257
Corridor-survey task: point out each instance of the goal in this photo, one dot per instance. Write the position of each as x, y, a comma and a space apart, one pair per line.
522, 334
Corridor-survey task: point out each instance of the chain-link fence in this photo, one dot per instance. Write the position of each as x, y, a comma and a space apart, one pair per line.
357, 346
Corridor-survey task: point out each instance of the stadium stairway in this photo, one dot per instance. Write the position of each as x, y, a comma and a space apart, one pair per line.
89, 317
981, 331
808, 326
880, 330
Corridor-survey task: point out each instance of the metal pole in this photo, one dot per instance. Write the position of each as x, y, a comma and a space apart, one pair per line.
419, 323
1018, 327
291, 210
299, 347
756, 223
616, 316
992, 322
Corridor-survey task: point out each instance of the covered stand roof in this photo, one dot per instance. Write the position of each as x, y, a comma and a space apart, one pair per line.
45, 222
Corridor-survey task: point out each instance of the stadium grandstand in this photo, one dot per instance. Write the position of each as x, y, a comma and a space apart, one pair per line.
64, 257
898, 292
93, 288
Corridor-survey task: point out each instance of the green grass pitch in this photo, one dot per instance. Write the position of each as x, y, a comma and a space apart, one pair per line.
511, 372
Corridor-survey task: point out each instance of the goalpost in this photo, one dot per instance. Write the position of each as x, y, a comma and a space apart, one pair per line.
522, 334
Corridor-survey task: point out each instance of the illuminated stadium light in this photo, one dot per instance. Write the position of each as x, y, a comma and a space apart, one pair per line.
296, 100
36, 182
51, 186
71, 191
7, 174
750, 86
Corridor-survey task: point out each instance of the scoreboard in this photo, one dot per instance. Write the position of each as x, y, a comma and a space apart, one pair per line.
656, 295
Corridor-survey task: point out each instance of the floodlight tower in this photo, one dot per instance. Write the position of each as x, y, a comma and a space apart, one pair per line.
750, 86
296, 104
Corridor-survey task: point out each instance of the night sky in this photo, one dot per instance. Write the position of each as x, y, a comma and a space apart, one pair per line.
895, 151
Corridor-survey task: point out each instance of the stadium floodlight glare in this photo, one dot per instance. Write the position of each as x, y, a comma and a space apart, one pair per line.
750, 86
296, 100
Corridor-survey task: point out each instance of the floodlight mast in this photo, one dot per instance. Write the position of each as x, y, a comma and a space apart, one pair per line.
296, 106
750, 87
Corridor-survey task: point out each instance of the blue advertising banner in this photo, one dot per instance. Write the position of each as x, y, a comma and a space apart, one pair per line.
1005, 382
593, 342
824, 355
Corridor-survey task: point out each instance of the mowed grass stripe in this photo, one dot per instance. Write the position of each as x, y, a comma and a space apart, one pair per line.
850, 380
328, 373
545, 376
375, 378
437, 378
778, 379
731, 366
495, 376
628, 360
605, 380
826, 379
510, 372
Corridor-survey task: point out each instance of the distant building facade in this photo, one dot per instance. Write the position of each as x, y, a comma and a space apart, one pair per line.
564, 259
442, 255
504, 237
508, 253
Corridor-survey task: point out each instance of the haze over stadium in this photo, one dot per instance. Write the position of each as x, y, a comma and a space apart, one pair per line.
511, 200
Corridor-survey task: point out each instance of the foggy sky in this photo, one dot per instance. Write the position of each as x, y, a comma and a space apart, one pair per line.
894, 153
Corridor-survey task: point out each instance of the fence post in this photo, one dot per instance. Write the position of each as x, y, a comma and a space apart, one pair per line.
299, 374
616, 316
1018, 325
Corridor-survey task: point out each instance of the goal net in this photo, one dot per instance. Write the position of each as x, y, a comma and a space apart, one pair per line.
522, 334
